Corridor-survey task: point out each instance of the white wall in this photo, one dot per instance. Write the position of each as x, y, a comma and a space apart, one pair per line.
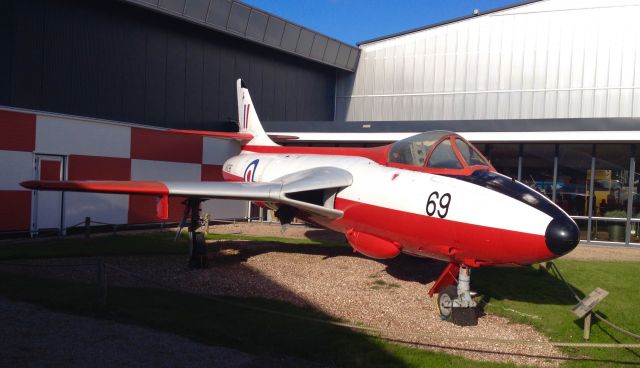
549, 59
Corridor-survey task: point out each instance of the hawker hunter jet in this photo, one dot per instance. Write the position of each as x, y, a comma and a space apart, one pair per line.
430, 195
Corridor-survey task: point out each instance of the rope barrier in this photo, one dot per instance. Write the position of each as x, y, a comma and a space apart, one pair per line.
597, 315
369, 330
46, 265
377, 332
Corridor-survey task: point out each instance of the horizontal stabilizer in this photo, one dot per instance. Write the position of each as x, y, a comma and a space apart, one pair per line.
240, 137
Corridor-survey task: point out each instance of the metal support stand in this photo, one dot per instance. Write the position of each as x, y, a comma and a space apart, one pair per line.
197, 248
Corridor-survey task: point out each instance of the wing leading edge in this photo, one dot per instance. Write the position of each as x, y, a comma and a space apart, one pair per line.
293, 190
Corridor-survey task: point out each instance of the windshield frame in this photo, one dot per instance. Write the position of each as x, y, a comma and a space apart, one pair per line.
465, 170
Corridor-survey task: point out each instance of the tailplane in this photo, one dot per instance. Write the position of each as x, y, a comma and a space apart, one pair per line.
248, 120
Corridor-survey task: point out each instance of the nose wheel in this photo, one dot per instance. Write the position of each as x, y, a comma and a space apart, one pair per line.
455, 303
444, 302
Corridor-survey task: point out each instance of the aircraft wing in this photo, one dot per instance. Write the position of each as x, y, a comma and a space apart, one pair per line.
308, 190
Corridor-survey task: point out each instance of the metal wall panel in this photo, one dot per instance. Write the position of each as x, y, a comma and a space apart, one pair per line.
257, 25
238, 18
219, 13
274, 31
245, 21
305, 42
113, 61
290, 37
172, 5
547, 59
318, 47
197, 9
6, 39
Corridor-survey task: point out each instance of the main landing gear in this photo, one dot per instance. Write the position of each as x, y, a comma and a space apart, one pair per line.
455, 303
197, 247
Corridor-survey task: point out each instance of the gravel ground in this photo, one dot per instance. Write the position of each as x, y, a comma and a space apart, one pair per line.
605, 253
35, 337
387, 295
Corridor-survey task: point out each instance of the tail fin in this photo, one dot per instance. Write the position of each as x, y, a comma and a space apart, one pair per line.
248, 120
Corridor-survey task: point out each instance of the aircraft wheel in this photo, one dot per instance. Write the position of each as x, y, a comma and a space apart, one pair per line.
445, 301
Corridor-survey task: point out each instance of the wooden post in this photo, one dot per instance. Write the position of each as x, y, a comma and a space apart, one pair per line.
587, 326
584, 309
87, 228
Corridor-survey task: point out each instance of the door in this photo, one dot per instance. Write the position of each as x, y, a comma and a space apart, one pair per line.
48, 206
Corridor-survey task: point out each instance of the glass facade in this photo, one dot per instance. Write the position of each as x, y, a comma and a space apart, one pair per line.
597, 184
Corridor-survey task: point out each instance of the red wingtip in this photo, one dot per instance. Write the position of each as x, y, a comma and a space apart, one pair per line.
30, 184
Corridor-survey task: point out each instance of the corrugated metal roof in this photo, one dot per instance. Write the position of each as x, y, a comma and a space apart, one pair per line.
438, 24
250, 23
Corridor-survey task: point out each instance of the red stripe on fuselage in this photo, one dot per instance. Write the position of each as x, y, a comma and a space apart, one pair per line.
377, 154
442, 239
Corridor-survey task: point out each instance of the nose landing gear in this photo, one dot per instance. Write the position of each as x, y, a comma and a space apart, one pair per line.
455, 304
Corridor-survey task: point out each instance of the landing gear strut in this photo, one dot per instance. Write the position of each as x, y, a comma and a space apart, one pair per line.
197, 248
455, 304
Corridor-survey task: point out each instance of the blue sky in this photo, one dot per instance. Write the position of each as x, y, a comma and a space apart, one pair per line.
351, 21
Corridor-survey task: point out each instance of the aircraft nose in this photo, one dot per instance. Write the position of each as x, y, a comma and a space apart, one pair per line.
562, 235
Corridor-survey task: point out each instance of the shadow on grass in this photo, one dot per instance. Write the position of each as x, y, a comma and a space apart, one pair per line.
210, 321
525, 284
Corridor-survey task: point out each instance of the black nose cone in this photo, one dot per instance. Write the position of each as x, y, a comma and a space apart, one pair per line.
562, 235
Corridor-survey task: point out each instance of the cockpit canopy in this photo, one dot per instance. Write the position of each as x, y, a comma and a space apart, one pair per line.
437, 149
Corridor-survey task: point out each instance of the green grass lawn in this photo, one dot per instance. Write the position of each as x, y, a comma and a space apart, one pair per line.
525, 295
532, 296
123, 245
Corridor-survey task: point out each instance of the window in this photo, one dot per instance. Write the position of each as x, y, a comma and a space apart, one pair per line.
443, 157
413, 150
504, 157
470, 156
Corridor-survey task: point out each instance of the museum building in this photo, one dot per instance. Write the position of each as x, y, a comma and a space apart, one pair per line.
549, 90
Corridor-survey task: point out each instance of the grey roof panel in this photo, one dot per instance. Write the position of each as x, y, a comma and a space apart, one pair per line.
343, 55
244, 21
318, 47
172, 5
353, 59
219, 13
304, 42
331, 52
275, 30
290, 37
197, 9
257, 25
238, 18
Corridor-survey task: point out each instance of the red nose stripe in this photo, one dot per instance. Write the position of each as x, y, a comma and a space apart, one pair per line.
122, 187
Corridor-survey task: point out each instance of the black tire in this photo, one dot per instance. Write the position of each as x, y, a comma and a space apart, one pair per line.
444, 301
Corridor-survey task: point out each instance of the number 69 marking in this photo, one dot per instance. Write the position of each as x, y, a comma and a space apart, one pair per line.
432, 204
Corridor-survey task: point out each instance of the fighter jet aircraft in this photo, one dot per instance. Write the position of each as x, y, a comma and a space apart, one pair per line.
430, 195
